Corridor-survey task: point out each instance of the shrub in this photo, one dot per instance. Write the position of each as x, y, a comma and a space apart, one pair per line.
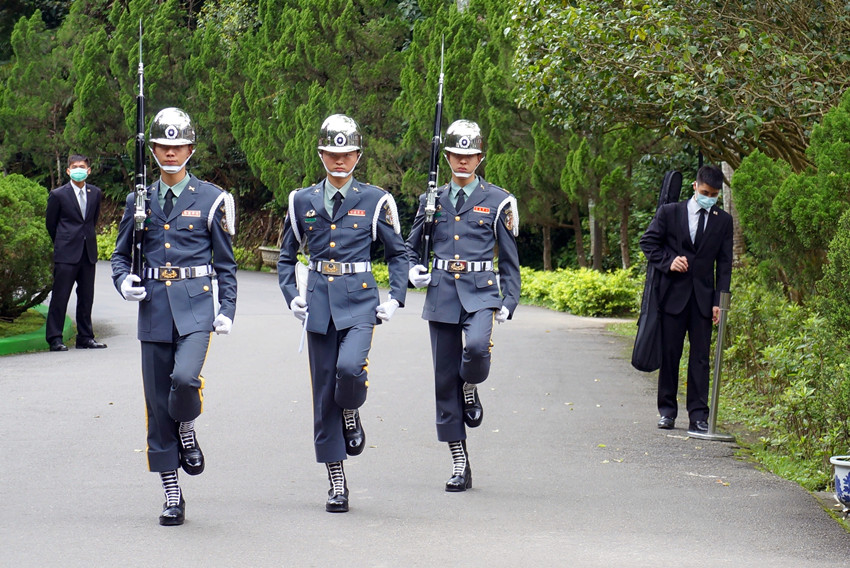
582, 291
106, 241
26, 269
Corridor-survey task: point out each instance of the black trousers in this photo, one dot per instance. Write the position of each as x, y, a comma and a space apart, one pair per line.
64, 278
673, 329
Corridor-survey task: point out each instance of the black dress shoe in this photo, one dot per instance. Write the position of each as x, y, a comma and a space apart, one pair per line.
473, 412
666, 423
90, 344
173, 516
352, 432
460, 482
192, 459
58, 346
337, 503
699, 427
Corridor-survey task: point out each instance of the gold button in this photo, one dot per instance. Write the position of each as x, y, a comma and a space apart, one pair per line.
311, 228
330, 278
457, 218
167, 264
191, 226
166, 226
333, 244
457, 276
457, 256
331, 260
457, 237
168, 245
355, 225
333, 226
481, 221
168, 282
206, 288
490, 282
365, 285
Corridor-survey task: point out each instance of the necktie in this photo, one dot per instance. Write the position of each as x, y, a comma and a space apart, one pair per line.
81, 197
460, 199
337, 203
169, 202
700, 227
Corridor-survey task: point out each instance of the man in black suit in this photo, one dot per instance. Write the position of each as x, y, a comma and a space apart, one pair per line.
72, 213
689, 243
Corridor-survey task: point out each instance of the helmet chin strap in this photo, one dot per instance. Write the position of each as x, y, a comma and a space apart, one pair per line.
462, 175
341, 174
172, 169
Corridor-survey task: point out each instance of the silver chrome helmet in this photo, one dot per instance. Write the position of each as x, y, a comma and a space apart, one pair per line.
339, 133
171, 127
464, 137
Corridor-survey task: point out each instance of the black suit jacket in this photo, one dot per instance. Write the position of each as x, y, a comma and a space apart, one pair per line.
709, 267
73, 235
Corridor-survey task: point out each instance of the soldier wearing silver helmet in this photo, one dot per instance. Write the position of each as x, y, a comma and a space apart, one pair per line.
465, 296
187, 242
335, 223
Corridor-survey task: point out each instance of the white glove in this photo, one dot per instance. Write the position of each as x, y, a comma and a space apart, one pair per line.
133, 293
298, 305
419, 276
222, 324
502, 315
386, 310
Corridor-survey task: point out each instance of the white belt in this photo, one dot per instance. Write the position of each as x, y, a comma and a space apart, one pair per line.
179, 272
463, 265
334, 268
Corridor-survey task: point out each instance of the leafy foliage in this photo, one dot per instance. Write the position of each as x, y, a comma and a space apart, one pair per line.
26, 274
582, 292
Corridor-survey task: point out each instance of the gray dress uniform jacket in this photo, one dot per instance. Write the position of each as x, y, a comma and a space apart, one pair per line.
196, 233
487, 218
368, 213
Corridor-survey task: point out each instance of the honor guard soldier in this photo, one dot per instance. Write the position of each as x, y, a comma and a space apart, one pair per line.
464, 295
187, 242
336, 222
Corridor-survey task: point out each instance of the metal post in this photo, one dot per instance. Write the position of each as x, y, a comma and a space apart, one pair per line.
715, 382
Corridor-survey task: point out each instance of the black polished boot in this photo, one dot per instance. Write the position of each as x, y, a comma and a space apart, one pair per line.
352, 432
174, 508
461, 479
191, 456
338, 493
473, 412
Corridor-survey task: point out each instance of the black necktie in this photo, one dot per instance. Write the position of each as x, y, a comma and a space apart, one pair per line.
169, 202
700, 227
337, 203
460, 199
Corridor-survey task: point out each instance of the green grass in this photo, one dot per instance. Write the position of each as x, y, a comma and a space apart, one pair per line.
29, 321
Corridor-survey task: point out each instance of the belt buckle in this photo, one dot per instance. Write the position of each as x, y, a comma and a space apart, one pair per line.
331, 268
168, 273
457, 266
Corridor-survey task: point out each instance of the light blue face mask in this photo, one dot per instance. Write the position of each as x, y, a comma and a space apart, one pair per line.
79, 174
705, 201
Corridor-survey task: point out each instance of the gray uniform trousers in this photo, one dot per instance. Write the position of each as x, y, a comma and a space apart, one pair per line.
173, 393
461, 353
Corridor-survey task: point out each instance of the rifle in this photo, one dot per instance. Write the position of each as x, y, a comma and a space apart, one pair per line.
140, 179
431, 195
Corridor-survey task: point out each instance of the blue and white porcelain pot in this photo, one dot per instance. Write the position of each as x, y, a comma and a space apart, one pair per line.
841, 467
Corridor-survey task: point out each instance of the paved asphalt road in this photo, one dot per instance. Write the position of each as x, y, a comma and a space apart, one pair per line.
568, 467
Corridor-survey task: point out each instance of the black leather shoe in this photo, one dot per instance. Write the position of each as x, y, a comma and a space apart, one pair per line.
337, 503
699, 427
666, 423
90, 344
352, 432
58, 346
192, 459
460, 482
173, 516
473, 412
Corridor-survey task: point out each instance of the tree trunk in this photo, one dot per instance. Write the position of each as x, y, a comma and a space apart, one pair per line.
574, 213
547, 248
595, 238
739, 246
624, 236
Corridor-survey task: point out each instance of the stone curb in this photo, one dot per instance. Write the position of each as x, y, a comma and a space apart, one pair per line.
34, 340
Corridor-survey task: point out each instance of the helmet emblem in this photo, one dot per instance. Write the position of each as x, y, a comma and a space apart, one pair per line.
340, 139
171, 132
463, 142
